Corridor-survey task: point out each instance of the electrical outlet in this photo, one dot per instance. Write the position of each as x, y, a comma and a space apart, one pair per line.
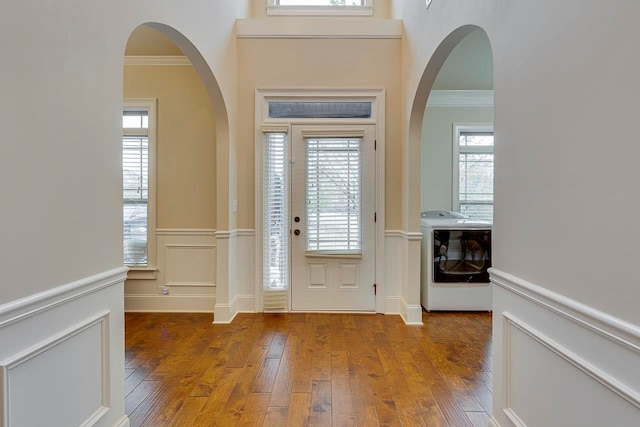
163, 290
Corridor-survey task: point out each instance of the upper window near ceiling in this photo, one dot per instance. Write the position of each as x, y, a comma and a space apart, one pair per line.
320, 7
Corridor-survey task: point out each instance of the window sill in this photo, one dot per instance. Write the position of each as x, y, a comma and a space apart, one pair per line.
333, 255
319, 27
320, 11
142, 273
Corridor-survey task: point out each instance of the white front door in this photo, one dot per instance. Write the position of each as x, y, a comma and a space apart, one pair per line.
333, 218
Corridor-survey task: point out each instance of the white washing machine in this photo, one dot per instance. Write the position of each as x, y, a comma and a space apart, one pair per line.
456, 253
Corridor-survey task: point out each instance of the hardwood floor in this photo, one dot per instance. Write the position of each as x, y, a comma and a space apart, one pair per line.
308, 369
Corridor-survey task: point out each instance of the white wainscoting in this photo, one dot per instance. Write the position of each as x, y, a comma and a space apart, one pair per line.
186, 269
246, 244
558, 362
61, 355
402, 275
226, 307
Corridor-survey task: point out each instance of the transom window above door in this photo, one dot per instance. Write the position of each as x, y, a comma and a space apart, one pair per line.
320, 7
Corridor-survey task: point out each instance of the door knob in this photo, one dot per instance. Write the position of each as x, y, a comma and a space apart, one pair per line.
296, 219
296, 232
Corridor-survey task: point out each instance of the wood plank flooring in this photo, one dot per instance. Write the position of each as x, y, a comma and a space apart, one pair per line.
308, 370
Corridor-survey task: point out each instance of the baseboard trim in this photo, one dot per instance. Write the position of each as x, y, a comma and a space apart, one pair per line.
411, 314
225, 313
124, 422
393, 305
32, 305
246, 304
169, 303
610, 327
414, 315
514, 418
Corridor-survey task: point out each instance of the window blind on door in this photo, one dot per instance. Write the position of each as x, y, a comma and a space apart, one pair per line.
275, 217
334, 195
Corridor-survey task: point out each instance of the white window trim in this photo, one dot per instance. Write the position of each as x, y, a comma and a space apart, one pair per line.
148, 272
459, 128
265, 124
277, 10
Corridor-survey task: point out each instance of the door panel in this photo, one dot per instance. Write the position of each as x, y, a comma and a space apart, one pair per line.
332, 218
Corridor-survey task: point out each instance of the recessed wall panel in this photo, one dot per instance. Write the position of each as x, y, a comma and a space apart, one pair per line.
317, 275
65, 376
349, 275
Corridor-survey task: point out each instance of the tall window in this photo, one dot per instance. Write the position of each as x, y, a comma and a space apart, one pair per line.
137, 182
275, 212
473, 184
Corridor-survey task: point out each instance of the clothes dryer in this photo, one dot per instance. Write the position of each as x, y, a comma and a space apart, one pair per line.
456, 254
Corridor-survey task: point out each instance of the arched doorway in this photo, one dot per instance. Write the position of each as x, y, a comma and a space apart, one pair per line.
174, 124
451, 126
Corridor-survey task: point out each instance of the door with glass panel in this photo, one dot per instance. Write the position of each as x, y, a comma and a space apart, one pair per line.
332, 218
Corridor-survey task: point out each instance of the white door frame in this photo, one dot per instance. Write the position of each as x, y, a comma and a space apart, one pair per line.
263, 123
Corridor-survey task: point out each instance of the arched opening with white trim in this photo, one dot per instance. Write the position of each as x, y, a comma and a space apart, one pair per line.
175, 162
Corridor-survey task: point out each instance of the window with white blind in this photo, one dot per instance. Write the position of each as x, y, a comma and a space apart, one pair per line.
319, 2
473, 185
275, 211
137, 181
320, 7
333, 195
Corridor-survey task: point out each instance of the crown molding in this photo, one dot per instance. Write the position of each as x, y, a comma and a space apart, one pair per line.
165, 60
460, 98
319, 28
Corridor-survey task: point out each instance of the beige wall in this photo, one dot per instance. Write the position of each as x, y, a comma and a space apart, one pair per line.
314, 64
437, 151
186, 143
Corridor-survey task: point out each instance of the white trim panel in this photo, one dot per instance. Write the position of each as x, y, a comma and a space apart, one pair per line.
152, 60
192, 303
319, 28
610, 327
246, 271
63, 349
38, 371
186, 232
186, 273
460, 98
578, 362
402, 262
226, 306
33, 305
